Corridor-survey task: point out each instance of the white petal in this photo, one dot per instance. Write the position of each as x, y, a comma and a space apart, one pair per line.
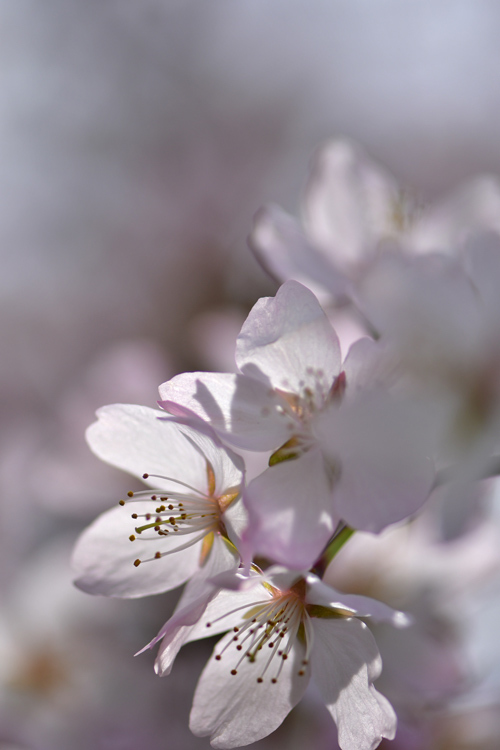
474, 206
360, 606
288, 341
236, 710
181, 627
244, 411
382, 449
228, 467
286, 253
137, 440
350, 202
367, 365
291, 511
345, 661
103, 558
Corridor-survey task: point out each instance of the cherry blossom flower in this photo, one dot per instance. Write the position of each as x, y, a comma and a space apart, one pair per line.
344, 447
441, 315
352, 210
185, 524
285, 628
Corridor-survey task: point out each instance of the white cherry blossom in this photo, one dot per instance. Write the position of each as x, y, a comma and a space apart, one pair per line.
284, 629
344, 448
353, 209
181, 526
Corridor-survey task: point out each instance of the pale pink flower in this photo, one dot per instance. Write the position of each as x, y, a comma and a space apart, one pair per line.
178, 528
353, 209
284, 629
345, 448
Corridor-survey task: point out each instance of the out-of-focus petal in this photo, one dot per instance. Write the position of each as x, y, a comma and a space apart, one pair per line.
472, 207
291, 511
284, 250
381, 447
350, 203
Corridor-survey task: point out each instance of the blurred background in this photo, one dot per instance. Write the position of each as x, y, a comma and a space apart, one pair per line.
137, 140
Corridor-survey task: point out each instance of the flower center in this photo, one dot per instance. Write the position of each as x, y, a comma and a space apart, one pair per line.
303, 408
268, 632
189, 512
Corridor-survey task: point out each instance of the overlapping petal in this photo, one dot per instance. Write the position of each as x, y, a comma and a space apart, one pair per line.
292, 515
345, 661
235, 710
288, 341
244, 411
103, 558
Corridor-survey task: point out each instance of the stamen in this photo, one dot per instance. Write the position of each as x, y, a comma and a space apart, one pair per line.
176, 481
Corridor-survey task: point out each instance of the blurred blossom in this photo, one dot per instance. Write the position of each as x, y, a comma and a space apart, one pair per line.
137, 141
428, 670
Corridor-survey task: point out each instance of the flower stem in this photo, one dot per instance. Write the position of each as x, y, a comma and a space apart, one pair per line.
341, 536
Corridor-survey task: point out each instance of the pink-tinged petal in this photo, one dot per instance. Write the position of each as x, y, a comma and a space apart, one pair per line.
287, 340
350, 203
291, 511
227, 608
192, 605
243, 411
368, 364
473, 207
103, 558
236, 521
345, 661
360, 606
228, 467
137, 440
283, 249
380, 447
482, 262
236, 710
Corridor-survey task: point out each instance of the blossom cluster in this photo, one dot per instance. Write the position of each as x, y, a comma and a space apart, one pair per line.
407, 419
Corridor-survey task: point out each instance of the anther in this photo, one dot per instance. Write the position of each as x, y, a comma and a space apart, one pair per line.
274, 680
301, 673
122, 502
130, 493
137, 563
145, 476
170, 507
158, 556
259, 679
132, 537
218, 657
233, 672
134, 515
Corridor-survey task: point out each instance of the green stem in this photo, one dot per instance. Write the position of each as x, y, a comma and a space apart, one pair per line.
337, 542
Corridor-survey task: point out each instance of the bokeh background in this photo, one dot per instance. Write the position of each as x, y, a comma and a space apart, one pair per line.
137, 140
